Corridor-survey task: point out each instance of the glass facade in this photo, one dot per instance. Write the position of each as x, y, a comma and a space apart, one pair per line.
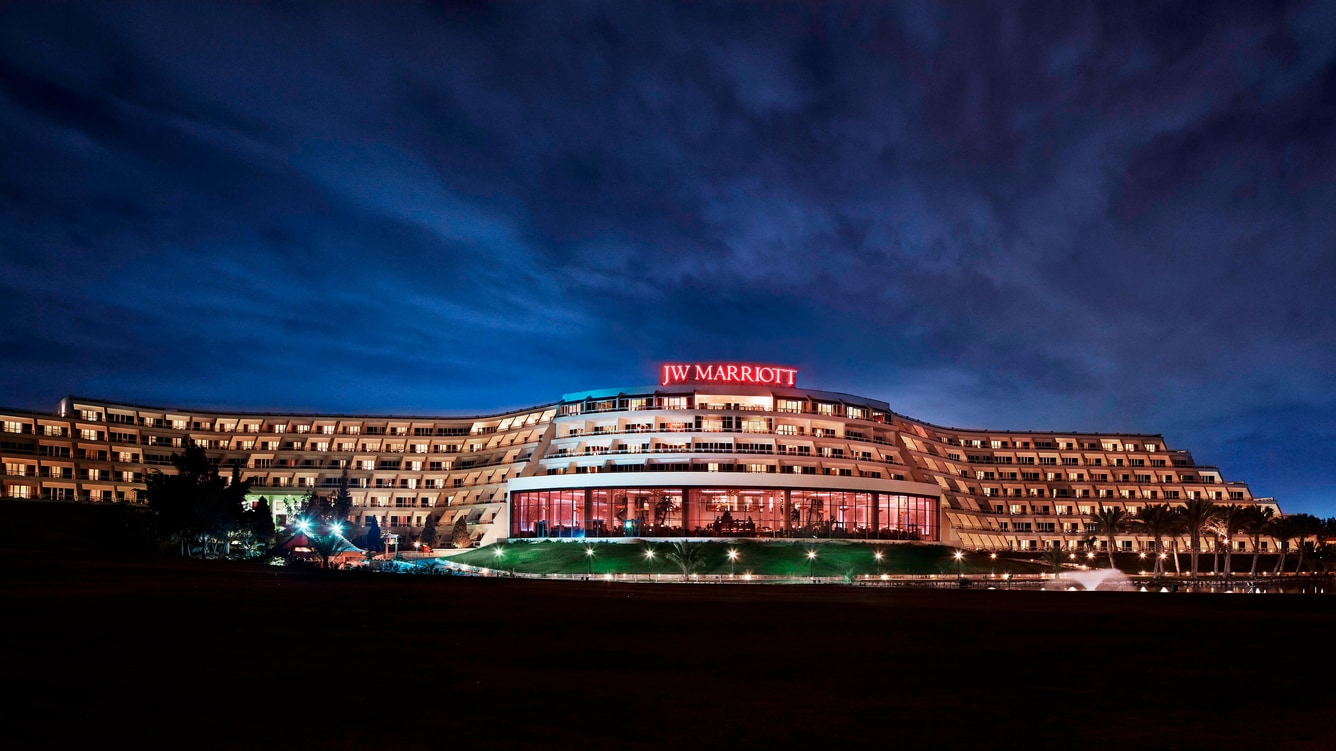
721, 512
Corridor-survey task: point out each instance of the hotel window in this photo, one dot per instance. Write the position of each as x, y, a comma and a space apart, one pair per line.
674, 402
855, 413
1235, 495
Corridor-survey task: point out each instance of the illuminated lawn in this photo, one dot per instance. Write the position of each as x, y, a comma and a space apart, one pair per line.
780, 558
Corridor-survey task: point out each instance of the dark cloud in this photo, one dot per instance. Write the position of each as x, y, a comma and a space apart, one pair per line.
1027, 215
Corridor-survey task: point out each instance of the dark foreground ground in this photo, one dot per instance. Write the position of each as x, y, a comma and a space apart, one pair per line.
194, 654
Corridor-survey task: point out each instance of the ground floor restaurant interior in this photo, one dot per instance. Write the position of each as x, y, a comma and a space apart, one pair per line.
721, 512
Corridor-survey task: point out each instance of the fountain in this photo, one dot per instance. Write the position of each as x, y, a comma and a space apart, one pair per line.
1102, 579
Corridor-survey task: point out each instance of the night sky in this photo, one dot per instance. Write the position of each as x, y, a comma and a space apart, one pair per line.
1115, 217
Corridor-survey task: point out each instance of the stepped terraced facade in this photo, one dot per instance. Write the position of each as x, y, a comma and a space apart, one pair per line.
707, 453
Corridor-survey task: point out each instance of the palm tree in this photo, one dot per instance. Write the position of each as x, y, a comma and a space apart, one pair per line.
1305, 526
1197, 515
1055, 557
687, 556
1282, 529
326, 545
1323, 551
1255, 522
1157, 520
1228, 522
1111, 521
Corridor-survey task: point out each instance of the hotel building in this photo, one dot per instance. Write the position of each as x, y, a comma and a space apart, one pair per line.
718, 450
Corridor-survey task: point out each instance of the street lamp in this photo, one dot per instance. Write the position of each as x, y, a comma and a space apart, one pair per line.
960, 563
811, 564
589, 556
878, 555
649, 556
732, 560
993, 558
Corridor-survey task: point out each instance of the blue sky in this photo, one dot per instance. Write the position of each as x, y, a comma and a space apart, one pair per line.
1061, 216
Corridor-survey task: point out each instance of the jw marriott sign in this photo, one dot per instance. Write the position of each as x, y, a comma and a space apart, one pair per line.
728, 372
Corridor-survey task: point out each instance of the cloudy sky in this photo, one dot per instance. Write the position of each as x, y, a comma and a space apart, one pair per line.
1111, 217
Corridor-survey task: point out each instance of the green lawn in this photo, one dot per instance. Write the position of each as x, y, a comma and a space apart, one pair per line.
779, 558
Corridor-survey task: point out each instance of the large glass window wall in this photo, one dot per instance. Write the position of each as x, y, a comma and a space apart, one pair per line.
721, 512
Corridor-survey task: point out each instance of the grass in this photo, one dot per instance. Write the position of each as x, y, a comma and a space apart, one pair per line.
779, 558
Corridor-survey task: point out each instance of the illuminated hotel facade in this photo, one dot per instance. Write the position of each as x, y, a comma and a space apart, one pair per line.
712, 450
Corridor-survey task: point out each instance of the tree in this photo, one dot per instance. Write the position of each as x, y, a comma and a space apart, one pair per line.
1157, 520
326, 543
460, 535
1282, 529
342, 501
257, 525
1055, 557
1255, 522
1305, 526
1111, 521
317, 510
688, 556
1324, 552
1229, 521
429, 532
196, 504
1197, 515
374, 539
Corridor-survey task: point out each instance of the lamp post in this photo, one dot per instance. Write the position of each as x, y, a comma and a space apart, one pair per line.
960, 564
811, 564
649, 556
993, 558
878, 555
589, 556
732, 561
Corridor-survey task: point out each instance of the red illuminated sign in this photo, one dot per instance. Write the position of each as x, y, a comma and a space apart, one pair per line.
728, 372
